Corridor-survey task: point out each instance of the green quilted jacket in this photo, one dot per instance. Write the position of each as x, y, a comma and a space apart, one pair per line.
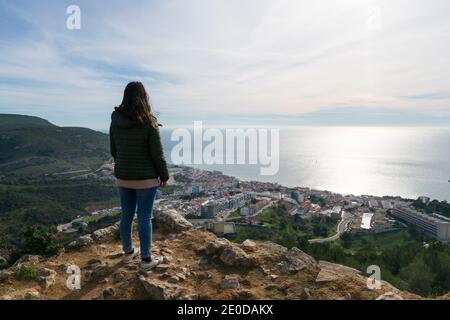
137, 150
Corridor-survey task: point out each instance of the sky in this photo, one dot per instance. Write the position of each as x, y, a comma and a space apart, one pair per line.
230, 62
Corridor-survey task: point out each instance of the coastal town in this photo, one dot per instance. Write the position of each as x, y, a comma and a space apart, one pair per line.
220, 203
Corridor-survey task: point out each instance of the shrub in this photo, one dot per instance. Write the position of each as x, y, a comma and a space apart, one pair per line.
38, 242
26, 273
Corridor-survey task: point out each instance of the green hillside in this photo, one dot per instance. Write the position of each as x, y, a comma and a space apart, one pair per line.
32, 193
33, 146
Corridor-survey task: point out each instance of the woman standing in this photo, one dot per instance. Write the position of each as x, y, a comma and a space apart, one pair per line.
140, 168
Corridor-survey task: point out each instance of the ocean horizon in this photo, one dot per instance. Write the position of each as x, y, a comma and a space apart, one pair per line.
381, 161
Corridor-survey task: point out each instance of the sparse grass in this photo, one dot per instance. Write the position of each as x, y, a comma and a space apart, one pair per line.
26, 272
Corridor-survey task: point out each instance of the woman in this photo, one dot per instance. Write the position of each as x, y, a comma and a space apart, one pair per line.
140, 168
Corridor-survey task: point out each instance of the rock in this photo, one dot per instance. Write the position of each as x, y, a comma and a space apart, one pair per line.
332, 272
96, 270
273, 277
236, 257
173, 279
296, 260
166, 251
93, 262
270, 287
62, 267
204, 275
249, 245
230, 282
81, 242
108, 293
5, 275
115, 255
389, 296
245, 294
159, 290
3, 261
119, 276
170, 236
306, 294
108, 233
46, 277
32, 294
203, 262
162, 267
216, 246
171, 220
131, 267
27, 260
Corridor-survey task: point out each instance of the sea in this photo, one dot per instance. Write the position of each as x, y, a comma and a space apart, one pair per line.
380, 161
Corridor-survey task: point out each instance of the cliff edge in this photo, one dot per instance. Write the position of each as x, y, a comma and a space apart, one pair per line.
197, 265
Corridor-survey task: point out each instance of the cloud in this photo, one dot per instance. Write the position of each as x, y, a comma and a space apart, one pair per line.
208, 59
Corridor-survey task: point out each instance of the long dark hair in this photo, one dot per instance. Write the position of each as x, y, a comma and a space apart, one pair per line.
136, 104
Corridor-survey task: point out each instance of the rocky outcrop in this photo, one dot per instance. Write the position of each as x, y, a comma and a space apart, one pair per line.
160, 290
46, 277
196, 265
170, 220
106, 234
332, 272
296, 260
81, 242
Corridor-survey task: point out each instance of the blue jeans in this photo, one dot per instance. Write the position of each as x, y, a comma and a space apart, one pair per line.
143, 199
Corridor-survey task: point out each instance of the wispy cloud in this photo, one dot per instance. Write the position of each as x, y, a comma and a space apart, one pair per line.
206, 59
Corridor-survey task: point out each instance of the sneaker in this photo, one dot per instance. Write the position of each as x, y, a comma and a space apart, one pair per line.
127, 257
147, 264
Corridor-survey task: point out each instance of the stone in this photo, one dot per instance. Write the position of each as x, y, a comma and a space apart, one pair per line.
245, 294
162, 267
332, 272
249, 245
216, 246
203, 262
170, 236
306, 294
62, 267
93, 262
166, 251
108, 293
131, 267
181, 276
273, 277
119, 277
236, 257
390, 296
105, 234
296, 260
5, 275
46, 277
159, 290
27, 260
32, 294
230, 282
173, 279
204, 275
171, 220
81, 242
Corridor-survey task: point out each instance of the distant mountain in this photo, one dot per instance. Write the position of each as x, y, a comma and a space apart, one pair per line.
33, 146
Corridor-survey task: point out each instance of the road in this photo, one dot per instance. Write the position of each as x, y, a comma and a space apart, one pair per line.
342, 226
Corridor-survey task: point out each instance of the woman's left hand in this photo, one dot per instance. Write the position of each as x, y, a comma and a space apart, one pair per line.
162, 183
